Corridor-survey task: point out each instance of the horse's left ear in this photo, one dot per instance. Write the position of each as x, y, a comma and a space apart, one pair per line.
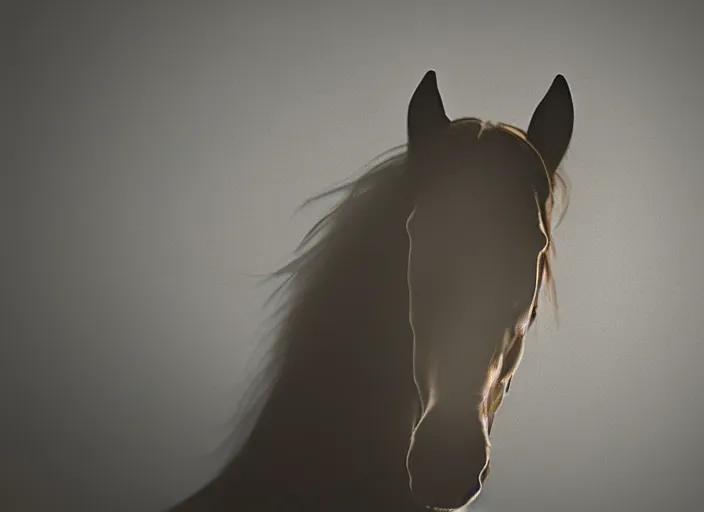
550, 128
426, 113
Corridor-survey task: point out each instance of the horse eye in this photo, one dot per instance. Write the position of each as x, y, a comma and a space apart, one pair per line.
533, 314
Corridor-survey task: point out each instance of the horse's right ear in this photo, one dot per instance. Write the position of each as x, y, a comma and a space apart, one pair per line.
426, 114
550, 128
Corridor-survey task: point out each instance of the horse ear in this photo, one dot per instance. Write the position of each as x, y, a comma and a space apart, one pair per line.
426, 113
550, 128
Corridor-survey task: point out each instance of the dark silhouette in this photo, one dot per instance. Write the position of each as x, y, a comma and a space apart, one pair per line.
404, 321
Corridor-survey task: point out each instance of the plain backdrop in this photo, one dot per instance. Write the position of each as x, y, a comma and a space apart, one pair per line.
154, 154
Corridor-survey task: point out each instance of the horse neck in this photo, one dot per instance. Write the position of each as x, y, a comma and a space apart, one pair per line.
338, 419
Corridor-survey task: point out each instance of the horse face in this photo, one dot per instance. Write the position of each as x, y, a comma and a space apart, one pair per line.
477, 242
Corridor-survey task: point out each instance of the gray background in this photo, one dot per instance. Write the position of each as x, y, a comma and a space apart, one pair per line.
155, 155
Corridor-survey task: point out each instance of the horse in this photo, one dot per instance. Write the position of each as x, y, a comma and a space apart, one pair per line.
404, 318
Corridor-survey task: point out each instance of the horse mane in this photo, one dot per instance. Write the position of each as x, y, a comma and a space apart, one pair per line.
380, 183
